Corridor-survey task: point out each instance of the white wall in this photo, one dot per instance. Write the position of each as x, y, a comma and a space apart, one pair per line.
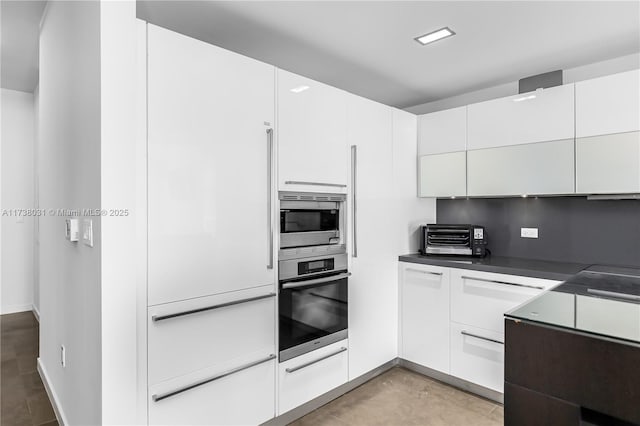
570, 75
69, 177
86, 157
18, 142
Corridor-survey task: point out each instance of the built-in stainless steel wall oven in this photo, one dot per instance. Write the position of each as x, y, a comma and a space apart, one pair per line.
312, 274
313, 303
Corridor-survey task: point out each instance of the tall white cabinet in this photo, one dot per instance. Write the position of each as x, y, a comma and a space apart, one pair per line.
208, 163
372, 289
211, 295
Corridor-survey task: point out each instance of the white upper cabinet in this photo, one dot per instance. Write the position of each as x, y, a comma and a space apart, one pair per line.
534, 169
608, 134
312, 135
540, 116
443, 175
443, 131
208, 162
608, 105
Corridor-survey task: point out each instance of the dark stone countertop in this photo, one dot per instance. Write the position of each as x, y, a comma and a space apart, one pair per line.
545, 269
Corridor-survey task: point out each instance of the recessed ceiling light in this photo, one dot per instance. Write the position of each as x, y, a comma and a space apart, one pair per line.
435, 36
299, 89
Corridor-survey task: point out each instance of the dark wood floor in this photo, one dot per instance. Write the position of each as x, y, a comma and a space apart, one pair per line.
23, 399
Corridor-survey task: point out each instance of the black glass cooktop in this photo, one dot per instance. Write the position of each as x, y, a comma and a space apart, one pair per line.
600, 300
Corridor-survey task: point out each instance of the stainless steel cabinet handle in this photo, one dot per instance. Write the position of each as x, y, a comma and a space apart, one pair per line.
424, 272
156, 318
354, 198
297, 182
613, 294
502, 282
161, 396
269, 195
307, 283
300, 367
488, 339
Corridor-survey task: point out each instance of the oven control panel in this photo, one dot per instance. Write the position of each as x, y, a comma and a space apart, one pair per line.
315, 266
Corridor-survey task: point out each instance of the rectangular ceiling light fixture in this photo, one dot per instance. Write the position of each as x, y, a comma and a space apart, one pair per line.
435, 36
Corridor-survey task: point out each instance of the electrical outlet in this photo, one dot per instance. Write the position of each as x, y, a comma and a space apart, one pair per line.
529, 232
63, 356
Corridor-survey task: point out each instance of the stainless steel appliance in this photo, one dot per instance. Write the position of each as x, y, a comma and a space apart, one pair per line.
311, 223
312, 304
468, 240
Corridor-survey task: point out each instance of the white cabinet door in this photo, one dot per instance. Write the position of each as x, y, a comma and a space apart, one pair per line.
477, 356
608, 105
480, 299
219, 329
310, 375
208, 112
424, 315
608, 164
443, 175
540, 116
242, 392
373, 287
312, 131
442, 131
533, 169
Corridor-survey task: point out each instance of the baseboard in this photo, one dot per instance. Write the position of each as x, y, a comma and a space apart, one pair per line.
55, 401
453, 381
36, 312
306, 408
14, 309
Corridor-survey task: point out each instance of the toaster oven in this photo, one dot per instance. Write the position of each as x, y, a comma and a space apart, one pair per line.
466, 240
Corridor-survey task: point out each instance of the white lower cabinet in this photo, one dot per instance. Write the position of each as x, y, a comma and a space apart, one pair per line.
477, 356
452, 320
425, 315
244, 397
481, 298
191, 335
308, 376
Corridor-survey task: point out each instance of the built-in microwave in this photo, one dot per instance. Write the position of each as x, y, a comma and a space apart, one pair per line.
311, 223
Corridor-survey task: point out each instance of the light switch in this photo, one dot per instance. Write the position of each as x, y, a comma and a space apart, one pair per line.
71, 229
529, 232
87, 232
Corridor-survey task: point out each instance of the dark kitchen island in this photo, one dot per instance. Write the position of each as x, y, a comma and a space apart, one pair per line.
572, 354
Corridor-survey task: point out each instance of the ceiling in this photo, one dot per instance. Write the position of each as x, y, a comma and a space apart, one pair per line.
20, 34
367, 47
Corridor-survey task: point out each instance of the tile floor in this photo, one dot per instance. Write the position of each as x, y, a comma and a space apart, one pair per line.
401, 397
23, 400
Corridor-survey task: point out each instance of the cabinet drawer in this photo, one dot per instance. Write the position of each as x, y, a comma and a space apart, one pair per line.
424, 315
480, 299
312, 374
242, 392
477, 356
222, 328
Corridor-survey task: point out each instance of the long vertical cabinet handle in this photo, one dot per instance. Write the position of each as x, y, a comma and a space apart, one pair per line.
270, 195
354, 198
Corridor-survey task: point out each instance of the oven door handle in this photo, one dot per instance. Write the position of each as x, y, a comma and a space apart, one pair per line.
299, 284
